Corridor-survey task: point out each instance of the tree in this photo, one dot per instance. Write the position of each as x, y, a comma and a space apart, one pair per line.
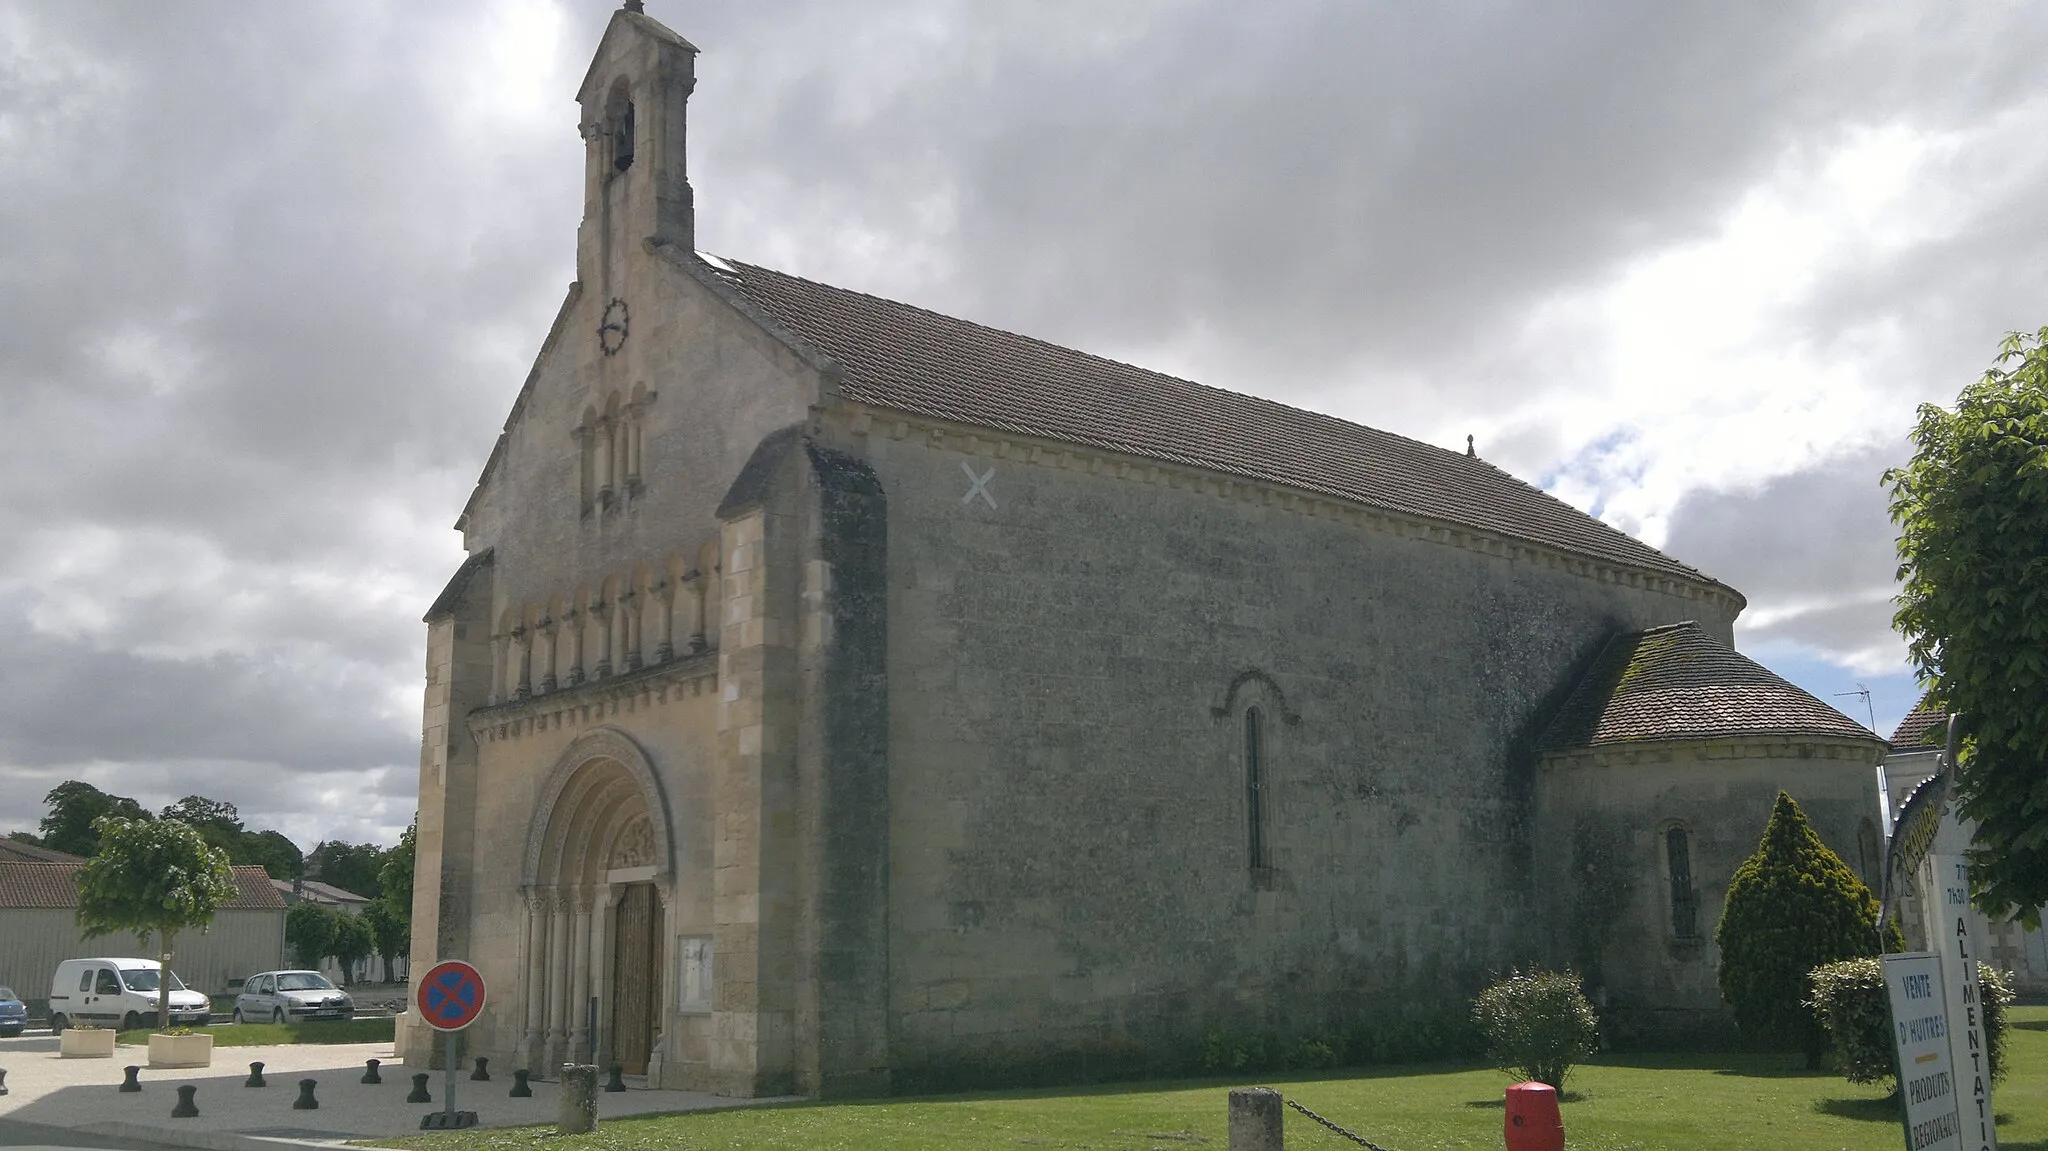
353, 942
309, 928
272, 852
75, 806
393, 936
1972, 510
1791, 907
352, 867
155, 877
396, 876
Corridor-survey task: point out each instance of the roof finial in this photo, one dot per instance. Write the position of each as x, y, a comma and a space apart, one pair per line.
635, 6
1469, 449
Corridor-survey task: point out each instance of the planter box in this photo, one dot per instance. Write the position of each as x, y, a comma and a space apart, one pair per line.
181, 1050
76, 1044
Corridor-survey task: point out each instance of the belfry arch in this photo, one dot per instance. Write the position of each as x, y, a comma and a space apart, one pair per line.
597, 874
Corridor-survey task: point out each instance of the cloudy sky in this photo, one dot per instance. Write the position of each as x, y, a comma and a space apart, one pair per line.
271, 274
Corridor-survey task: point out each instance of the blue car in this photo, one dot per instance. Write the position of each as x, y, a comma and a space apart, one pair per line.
13, 1013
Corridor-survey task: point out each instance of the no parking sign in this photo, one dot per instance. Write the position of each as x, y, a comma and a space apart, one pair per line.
451, 996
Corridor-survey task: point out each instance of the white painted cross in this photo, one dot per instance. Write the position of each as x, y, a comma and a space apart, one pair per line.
980, 485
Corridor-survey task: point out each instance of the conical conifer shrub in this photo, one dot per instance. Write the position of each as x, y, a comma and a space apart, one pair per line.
1791, 907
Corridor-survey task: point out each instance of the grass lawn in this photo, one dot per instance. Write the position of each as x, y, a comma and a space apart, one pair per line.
270, 1034
1727, 1103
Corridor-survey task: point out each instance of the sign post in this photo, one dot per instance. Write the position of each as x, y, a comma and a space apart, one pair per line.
450, 997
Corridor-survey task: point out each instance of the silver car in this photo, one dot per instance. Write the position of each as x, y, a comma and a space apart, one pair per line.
291, 997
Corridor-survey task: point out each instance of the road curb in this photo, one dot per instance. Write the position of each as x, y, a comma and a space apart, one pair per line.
209, 1140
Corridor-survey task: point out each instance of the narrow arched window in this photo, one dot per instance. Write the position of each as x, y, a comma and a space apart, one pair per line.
1256, 800
1684, 903
622, 138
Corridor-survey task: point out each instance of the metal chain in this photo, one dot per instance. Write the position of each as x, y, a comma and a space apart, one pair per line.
1368, 1144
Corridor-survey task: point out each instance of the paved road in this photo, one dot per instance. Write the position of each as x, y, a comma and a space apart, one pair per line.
36, 1137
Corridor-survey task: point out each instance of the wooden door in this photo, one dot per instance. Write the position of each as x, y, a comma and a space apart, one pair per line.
636, 977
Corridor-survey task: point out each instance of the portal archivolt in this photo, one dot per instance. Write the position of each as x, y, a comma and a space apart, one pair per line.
597, 872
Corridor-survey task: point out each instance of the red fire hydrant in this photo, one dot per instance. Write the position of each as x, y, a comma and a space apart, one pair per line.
1533, 1123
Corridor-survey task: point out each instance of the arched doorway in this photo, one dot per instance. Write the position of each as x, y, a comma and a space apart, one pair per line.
597, 876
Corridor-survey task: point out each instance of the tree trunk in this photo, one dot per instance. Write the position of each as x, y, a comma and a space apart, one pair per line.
163, 985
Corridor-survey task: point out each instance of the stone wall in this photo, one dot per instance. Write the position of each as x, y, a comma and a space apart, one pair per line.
1072, 648
1604, 862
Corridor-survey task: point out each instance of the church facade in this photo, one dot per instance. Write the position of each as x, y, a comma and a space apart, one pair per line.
841, 697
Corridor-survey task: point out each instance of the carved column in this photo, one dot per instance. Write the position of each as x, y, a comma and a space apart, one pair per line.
497, 694
626, 631
522, 664
603, 926
601, 627
664, 621
573, 621
530, 1045
547, 653
694, 588
579, 983
558, 983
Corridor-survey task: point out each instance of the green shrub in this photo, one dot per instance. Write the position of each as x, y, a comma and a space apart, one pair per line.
1792, 907
1850, 1001
1537, 1024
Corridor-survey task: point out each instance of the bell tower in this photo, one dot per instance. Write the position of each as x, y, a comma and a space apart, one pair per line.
636, 186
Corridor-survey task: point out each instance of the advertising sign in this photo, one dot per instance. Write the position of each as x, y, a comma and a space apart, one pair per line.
1927, 1081
1946, 885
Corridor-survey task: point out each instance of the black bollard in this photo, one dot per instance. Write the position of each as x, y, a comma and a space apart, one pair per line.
419, 1090
3, 1080
305, 1101
186, 1108
482, 1074
519, 1088
370, 1071
255, 1078
132, 1083
617, 1082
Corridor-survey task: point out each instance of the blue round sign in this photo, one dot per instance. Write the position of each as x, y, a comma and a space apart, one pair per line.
451, 995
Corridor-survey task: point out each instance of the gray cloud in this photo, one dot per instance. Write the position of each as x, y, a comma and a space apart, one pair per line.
1812, 550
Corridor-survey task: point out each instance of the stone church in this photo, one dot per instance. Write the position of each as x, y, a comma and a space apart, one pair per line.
840, 697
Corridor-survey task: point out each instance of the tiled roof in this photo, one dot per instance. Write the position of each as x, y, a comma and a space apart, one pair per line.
317, 892
15, 851
912, 360
1925, 726
458, 584
1677, 682
55, 885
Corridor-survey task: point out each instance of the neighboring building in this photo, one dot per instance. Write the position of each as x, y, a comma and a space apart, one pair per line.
324, 894
843, 697
346, 902
39, 929
1916, 748
16, 851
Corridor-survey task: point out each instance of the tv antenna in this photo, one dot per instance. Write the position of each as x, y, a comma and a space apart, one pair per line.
1867, 709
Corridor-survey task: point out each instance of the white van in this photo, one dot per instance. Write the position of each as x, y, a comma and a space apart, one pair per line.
119, 993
